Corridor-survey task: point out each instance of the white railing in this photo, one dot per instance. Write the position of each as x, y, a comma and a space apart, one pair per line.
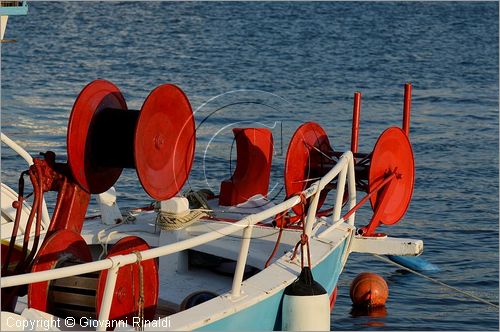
344, 169
26, 156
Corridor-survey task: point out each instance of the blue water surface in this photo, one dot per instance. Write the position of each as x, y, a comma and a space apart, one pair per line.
280, 64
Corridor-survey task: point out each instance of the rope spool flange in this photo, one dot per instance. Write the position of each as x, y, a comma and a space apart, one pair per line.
131, 284
306, 160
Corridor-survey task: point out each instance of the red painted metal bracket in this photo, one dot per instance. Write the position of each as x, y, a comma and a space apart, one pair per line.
254, 147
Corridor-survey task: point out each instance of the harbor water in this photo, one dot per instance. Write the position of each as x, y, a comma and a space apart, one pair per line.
281, 64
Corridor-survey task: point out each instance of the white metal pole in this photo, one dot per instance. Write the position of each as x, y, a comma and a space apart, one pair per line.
108, 297
17, 148
242, 261
311, 213
340, 193
29, 159
351, 188
62, 272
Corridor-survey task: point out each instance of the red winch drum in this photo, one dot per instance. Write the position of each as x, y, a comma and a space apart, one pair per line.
310, 157
81, 295
62, 248
104, 137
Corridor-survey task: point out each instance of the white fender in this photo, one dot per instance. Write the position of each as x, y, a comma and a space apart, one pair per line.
306, 306
306, 313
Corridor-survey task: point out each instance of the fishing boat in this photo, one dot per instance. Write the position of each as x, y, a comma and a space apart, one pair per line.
193, 260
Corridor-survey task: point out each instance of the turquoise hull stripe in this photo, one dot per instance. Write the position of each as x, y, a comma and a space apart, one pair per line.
266, 315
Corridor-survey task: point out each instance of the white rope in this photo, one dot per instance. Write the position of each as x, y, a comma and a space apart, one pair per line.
128, 219
171, 221
104, 244
477, 298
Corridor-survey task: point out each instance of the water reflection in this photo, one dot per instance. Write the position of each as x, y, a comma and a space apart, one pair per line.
372, 312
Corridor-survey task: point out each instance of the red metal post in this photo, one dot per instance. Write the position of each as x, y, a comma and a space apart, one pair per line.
407, 109
374, 190
71, 206
72, 200
355, 122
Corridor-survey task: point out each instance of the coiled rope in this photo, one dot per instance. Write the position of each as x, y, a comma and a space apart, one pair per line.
173, 221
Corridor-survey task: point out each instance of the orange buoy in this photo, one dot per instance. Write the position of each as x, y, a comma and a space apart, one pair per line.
369, 290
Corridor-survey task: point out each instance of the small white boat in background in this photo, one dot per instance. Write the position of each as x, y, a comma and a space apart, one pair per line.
9, 8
